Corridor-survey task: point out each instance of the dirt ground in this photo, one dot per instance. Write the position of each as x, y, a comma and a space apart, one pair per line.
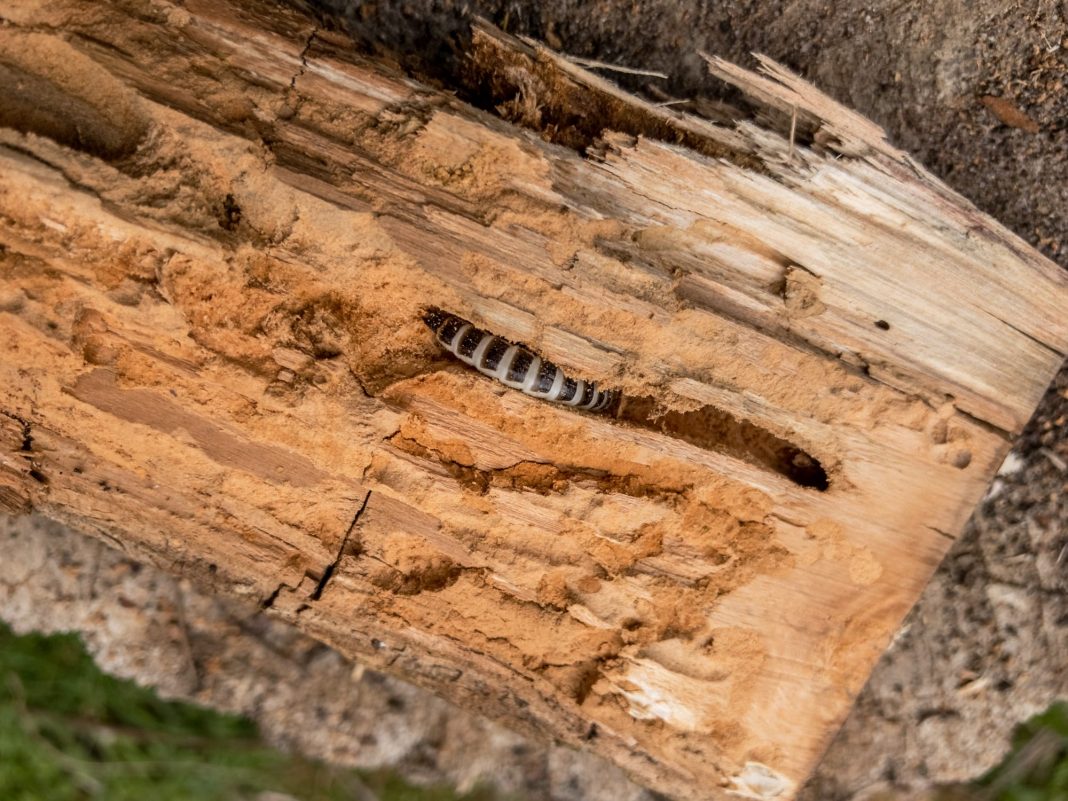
976, 91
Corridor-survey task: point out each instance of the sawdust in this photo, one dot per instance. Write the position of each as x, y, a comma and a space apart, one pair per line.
512, 631
831, 542
801, 293
59, 92
411, 567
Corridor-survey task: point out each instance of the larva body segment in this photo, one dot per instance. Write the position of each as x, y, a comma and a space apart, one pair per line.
513, 365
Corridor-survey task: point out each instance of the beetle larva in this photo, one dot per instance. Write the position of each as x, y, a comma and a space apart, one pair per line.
514, 365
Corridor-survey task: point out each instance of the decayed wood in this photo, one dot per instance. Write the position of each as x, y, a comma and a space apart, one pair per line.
219, 229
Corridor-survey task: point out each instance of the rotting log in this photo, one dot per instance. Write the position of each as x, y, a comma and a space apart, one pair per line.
219, 227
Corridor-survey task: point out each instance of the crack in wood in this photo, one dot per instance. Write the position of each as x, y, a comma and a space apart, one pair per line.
304, 58
25, 450
328, 573
941, 533
268, 602
1045, 346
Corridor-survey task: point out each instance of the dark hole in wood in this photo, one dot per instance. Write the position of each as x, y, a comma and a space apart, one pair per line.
231, 213
717, 430
327, 575
882, 325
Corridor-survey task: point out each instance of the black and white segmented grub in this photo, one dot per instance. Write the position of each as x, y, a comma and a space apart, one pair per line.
513, 365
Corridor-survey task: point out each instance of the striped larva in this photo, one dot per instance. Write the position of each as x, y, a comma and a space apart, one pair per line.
513, 365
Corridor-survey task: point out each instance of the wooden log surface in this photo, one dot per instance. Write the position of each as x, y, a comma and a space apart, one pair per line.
218, 230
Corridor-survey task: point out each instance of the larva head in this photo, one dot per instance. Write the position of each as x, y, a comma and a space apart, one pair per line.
434, 317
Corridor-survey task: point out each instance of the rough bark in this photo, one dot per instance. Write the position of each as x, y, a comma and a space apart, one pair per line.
212, 282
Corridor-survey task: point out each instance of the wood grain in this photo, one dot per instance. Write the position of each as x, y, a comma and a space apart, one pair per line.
213, 358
